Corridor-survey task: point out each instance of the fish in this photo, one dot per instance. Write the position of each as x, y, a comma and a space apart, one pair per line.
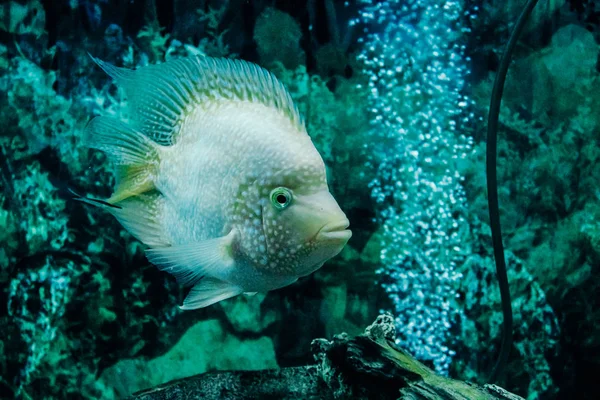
216, 174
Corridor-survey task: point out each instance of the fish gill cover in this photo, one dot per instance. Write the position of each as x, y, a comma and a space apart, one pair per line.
393, 94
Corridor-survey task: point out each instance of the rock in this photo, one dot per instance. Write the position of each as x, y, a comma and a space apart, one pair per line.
565, 70
555, 82
204, 347
367, 366
28, 18
333, 308
246, 314
372, 250
277, 36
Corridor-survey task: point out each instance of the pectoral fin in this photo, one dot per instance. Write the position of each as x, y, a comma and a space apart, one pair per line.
209, 291
190, 262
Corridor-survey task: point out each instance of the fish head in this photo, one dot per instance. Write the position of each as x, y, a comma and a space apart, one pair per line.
303, 224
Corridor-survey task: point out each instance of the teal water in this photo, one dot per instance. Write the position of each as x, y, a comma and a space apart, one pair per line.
394, 95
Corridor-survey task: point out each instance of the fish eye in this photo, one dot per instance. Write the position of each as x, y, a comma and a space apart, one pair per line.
281, 198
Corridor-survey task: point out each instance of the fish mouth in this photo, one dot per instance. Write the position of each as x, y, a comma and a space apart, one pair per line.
335, 231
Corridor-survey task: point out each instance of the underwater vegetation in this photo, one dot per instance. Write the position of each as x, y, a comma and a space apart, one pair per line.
394, 96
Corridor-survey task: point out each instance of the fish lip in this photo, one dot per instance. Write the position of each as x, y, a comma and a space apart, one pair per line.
335, 230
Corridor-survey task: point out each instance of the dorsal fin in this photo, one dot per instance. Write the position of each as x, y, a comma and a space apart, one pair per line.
162, 95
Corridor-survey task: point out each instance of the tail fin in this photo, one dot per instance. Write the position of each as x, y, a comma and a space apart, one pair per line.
135, 157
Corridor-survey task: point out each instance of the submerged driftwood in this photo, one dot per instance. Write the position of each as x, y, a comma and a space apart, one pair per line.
368, 366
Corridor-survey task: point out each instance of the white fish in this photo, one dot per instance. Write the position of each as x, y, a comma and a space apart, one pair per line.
217, 175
